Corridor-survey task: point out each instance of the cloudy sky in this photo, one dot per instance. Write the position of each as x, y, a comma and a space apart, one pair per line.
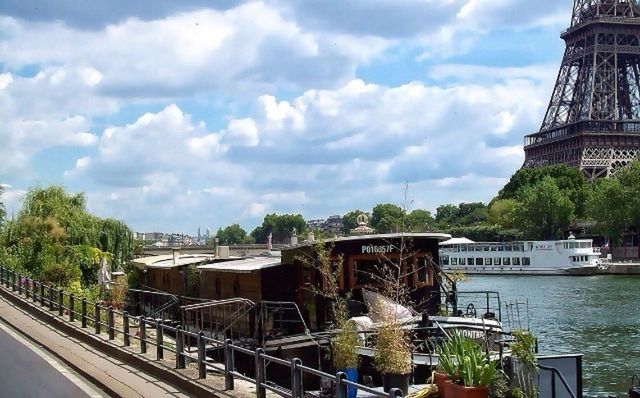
171, 114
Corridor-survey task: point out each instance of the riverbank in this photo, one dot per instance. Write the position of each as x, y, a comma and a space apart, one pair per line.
618, 268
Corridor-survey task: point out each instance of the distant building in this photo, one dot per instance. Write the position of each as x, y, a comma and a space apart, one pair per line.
332, 226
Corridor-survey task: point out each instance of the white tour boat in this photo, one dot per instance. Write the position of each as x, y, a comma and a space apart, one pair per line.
559, 257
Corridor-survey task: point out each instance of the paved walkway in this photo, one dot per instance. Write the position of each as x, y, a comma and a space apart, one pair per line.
119, 378
28, 371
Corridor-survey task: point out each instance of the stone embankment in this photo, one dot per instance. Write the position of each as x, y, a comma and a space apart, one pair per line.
615, 268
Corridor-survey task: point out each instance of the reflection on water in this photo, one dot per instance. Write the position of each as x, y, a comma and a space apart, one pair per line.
598, 316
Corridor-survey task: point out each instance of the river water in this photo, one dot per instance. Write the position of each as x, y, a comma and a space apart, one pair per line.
598, 316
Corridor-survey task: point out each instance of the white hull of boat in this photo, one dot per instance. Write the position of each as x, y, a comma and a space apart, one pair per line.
586, 270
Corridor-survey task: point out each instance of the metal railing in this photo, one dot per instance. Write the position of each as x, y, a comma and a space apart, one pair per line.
155, 332
557, 374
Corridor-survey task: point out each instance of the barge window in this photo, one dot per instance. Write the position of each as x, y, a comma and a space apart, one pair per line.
516, 260
423, 275
526, 261
479, 261
497, 261
506, 261
374, 272
470, 260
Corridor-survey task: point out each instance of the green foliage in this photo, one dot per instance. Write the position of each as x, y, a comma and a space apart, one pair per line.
55, 239
568, 179
420, 221
345, 354
464, 361
3, 212
393, 349
543, 210
615, 204
524, 347
232, 235
465, 214
386, 218
502, 212
280, 226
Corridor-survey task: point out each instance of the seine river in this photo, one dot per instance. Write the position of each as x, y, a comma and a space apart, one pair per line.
598, 316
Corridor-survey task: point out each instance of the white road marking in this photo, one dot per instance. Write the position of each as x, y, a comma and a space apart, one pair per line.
65, 371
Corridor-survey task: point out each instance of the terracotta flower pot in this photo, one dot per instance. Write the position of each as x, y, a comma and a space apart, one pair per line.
439, 379
458, 391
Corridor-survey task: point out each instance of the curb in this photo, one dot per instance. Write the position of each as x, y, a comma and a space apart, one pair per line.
145, 365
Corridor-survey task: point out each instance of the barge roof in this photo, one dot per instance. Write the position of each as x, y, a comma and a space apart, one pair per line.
245, 265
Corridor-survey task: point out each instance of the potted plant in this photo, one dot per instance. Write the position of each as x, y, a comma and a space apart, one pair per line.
393, 355
345, 354
470, 372
524, 364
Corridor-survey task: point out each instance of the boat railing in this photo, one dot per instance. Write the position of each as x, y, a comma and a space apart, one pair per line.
280, 318
153, 304
221, 318
476, 304
556, 374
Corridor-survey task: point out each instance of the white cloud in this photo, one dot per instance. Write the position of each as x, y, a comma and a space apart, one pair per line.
250, 47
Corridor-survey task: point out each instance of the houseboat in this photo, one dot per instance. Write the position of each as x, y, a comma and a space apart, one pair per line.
560, 257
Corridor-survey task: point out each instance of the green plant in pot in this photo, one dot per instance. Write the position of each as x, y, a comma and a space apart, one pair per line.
469, 370
344, 345
524, 365
393, 355
345, 354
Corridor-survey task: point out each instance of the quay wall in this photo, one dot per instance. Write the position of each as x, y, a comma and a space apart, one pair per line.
622, 269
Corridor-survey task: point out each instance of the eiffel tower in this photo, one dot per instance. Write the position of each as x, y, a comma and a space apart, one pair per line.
593, 119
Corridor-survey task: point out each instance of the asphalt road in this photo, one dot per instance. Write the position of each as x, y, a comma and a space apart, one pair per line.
25, 373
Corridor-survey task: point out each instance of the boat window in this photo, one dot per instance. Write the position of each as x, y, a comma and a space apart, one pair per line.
501, 248
463, 248
506, 261
217, 287
507, 247
479, 261
485, 248
470, 260
462, 261
371, 272
526, 261
516, 260
497, 261
445, 260
487, 261
422, 273
236, 286
454, 261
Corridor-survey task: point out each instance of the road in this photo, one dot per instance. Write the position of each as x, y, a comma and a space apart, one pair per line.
27, 371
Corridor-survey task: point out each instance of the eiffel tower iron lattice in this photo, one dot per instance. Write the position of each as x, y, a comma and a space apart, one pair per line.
593, 119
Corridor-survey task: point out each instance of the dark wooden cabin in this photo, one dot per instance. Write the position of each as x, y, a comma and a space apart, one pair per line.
288, 279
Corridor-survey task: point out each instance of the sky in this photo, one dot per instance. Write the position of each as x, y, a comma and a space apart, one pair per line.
173, 115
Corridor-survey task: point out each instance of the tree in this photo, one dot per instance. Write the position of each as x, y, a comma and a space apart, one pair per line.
544, 212
609, 208
568, 179
280, 226
502, 212
615, 203
387, 218
232, 235
54, 238
3, 212
420, 221
446, 214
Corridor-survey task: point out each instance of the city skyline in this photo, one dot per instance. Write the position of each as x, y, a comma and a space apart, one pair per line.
173, 115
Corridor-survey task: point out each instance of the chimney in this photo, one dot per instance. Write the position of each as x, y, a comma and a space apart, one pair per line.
176, 256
